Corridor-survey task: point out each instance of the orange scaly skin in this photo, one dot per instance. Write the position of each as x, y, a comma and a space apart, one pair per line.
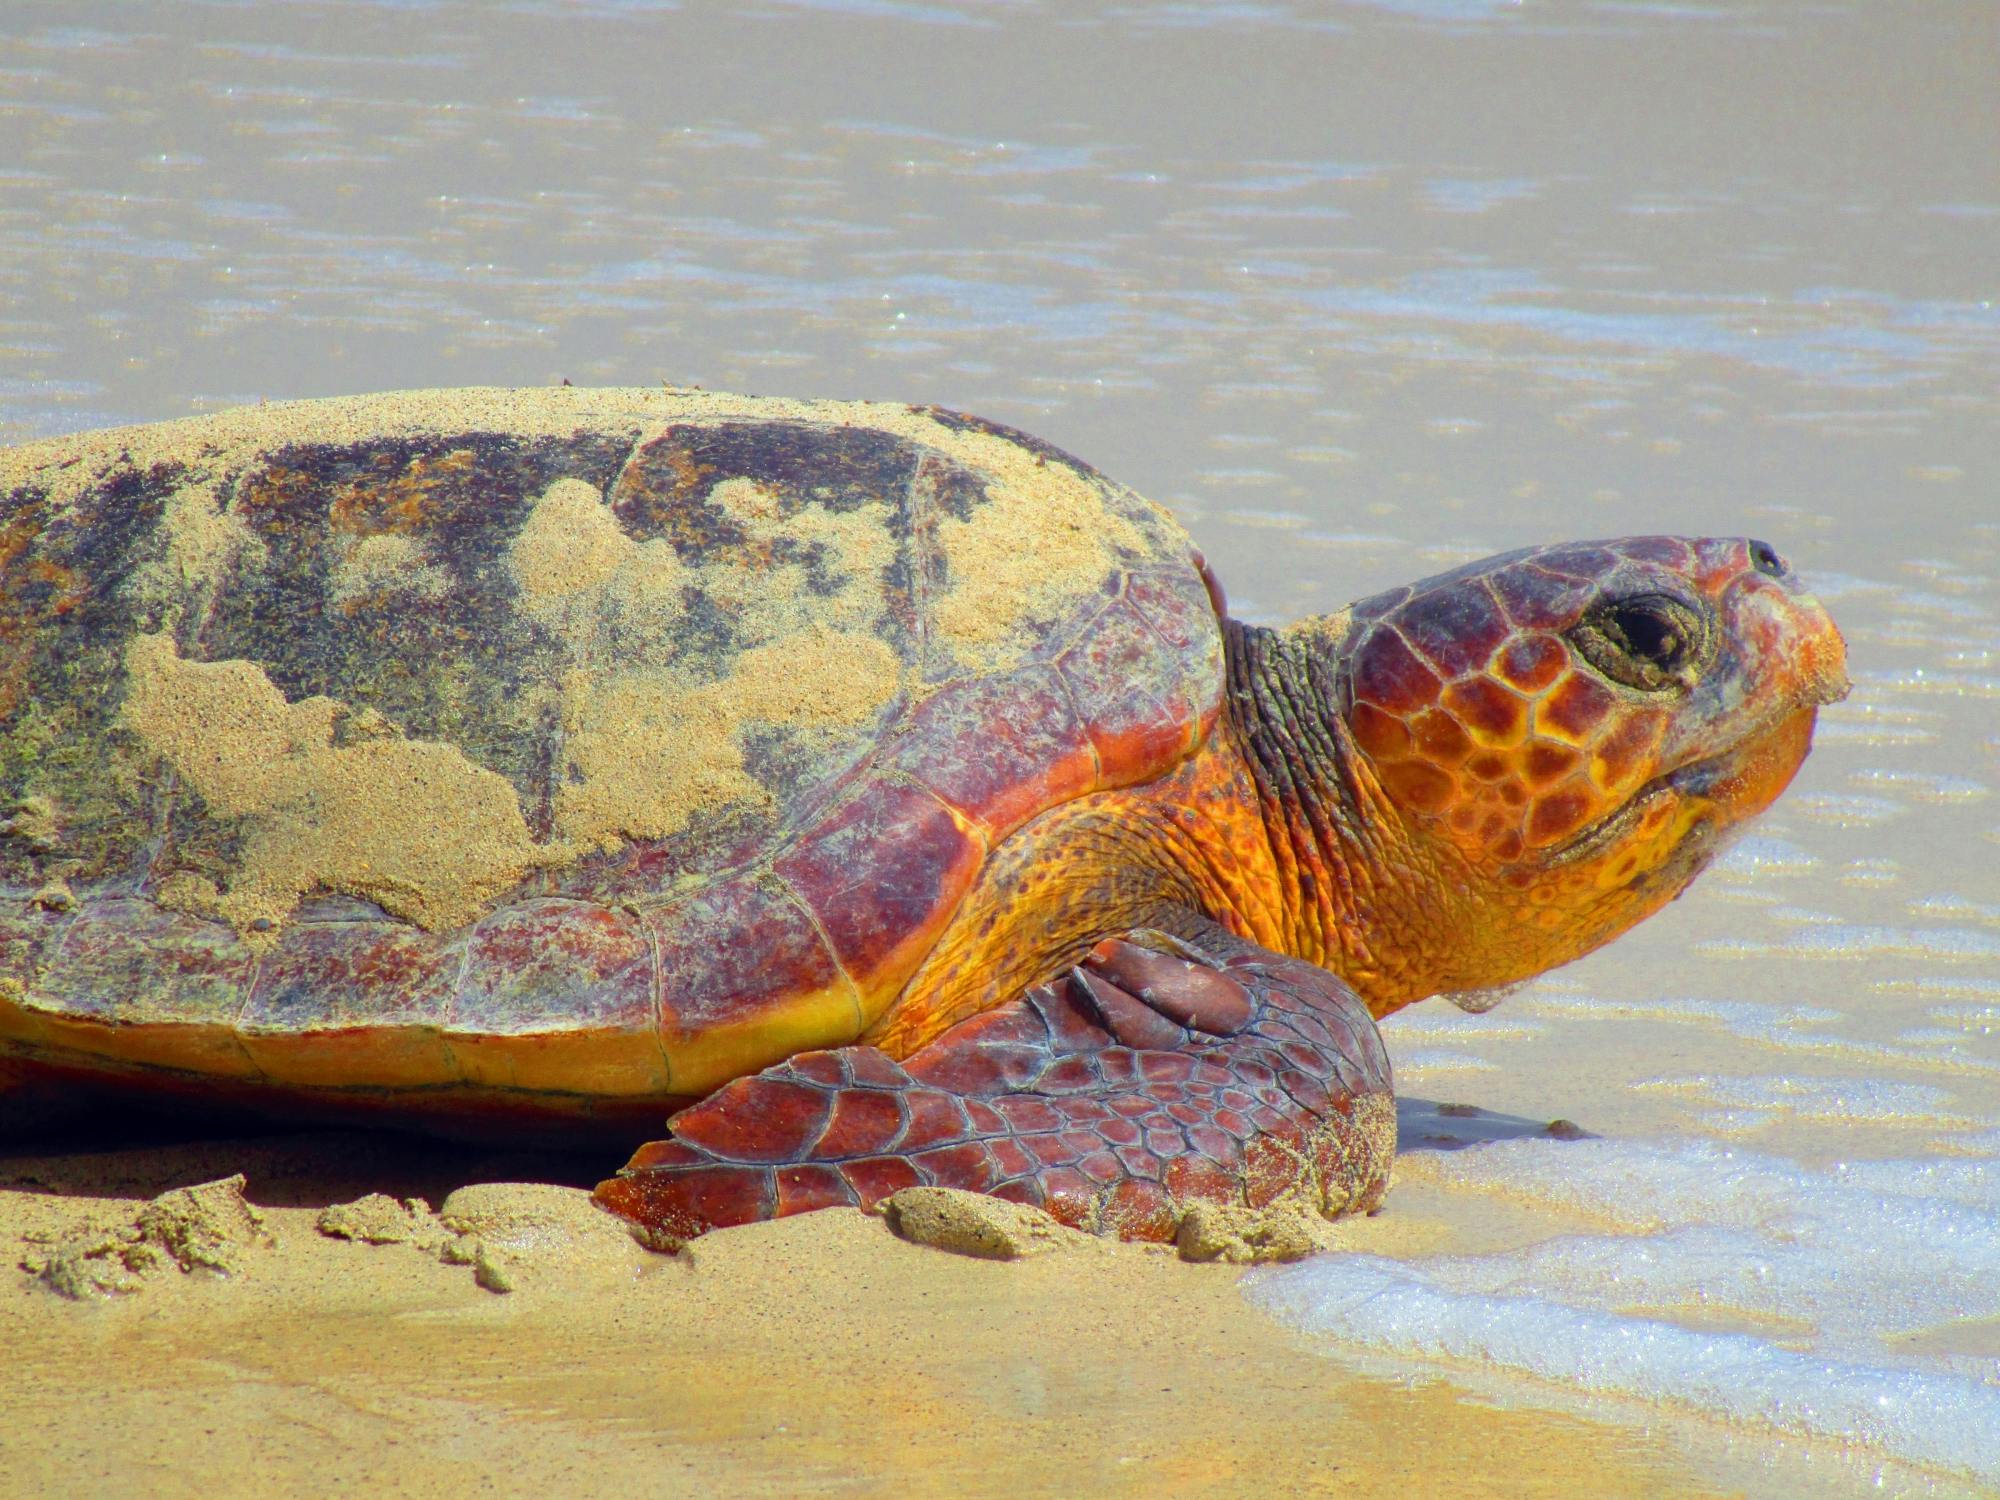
1554, 806
1441, 846
1450, 787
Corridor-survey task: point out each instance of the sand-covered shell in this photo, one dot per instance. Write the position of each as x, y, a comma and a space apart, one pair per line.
557, 746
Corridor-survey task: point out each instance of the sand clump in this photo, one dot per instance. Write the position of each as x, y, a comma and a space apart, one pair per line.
652, 738
1038, 542
412, 825
975, 1224
210, 1227
524, 1233
998, 1229
512, 1234
1289, 1229
379, 1219
385, 565
199, 543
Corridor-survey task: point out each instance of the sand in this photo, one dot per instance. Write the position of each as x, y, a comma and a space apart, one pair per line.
819, 1355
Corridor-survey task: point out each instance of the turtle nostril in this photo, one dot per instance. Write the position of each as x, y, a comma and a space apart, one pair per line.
1764, 558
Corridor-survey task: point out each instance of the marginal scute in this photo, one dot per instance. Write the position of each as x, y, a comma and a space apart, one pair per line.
999, 749
316, 997
133, 981
1128, 682
559, 995
883, 874
746, 978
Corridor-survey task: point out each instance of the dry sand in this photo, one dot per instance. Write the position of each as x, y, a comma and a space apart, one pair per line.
820, 1355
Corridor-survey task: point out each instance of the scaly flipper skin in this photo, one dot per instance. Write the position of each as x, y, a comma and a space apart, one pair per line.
1067, 1099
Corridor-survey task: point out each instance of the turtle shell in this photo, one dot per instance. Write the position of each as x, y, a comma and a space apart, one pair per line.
555, 747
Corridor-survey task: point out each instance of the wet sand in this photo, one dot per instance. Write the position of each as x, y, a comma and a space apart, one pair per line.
820, 1355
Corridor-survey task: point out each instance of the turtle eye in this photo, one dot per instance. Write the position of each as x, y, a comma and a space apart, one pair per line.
1652, 642
1764, 558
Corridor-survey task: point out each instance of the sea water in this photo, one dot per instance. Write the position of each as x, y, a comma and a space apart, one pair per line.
1850, 1260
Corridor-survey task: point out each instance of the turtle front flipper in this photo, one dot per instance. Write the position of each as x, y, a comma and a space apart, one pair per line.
1110, 1101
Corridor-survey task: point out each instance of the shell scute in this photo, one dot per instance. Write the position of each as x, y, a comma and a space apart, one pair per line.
377, 577
1047, 452
883, 874
336, 974
1378, 606
1175, 603
667, 489
999, 749
556, 965
132, 980
1129, 685
746, 978
319, 1000
67, 600
28, 934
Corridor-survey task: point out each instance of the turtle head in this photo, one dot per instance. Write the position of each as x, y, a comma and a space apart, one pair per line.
1558, 740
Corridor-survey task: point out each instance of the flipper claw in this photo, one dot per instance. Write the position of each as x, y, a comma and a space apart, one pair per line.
1188, 992
1133, 1021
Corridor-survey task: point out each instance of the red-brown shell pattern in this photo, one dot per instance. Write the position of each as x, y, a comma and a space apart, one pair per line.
371, 751
1474, 711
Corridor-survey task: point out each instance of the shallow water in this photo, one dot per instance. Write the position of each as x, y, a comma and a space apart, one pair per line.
1361, 290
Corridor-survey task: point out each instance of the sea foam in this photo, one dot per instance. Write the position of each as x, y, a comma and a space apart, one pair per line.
1825, 1274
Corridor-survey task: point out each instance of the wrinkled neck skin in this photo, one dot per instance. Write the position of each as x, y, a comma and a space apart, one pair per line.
1341, 877
1274, 828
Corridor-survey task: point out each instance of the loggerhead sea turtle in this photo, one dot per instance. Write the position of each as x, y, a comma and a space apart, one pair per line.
880, 792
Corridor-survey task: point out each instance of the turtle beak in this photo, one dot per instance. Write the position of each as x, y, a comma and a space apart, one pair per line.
1782, 658
1792, 654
